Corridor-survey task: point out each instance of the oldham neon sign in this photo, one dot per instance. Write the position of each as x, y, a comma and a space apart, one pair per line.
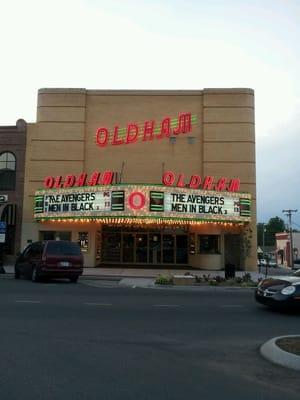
83, 179
148, 131
197, 182
169, 178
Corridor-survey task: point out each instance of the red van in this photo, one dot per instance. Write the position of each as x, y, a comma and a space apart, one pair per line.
50, 259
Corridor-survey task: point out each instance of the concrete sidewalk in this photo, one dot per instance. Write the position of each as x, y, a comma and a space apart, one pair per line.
142, 273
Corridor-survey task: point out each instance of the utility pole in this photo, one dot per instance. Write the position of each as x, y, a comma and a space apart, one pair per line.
263, 249
288, 213
263, 235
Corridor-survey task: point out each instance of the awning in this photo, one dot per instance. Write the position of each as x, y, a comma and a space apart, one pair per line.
8, 214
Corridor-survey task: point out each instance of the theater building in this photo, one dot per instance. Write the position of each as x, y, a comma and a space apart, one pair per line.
144, 178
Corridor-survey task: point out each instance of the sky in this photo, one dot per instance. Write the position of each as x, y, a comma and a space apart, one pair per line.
166, 44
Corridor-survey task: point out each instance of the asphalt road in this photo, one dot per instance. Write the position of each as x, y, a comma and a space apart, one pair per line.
76, 341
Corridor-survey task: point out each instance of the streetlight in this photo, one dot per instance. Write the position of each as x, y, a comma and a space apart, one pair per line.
288, 213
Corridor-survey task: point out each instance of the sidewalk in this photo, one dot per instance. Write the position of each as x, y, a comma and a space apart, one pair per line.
138, 273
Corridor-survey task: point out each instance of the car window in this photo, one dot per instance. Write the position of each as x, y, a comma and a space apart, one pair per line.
297, 273
63, 248
37, 250
26, 253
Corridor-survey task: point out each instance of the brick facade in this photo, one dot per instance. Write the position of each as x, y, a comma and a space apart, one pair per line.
13, 140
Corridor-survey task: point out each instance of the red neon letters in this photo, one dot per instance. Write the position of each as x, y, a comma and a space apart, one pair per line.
207, 183
96, 178
145, 132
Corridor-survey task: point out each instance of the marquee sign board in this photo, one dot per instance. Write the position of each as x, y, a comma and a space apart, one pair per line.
148, 201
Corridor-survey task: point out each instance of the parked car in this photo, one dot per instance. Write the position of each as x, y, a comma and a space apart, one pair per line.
272, 264
279, 291
297, 263
261, 262
50, 259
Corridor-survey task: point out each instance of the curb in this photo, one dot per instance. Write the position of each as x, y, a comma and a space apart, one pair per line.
276, 355
128, 281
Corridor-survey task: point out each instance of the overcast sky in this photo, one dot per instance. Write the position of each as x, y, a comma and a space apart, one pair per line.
166, 44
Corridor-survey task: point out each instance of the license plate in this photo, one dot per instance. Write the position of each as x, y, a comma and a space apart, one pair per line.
64, 264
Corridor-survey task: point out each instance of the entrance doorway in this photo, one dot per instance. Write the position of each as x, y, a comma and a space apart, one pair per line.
233, 249
143, 247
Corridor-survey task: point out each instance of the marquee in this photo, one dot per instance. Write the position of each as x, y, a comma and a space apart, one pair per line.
141, 201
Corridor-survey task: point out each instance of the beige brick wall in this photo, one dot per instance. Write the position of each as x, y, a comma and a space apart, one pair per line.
63, 139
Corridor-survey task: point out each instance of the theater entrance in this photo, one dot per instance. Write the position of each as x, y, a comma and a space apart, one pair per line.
141, 247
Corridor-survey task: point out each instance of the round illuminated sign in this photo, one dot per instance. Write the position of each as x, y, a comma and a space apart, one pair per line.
136, 200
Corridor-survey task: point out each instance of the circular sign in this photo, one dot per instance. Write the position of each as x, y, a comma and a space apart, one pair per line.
136, 200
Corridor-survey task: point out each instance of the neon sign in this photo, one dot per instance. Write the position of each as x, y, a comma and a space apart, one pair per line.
169, 178
147, 131
196, 182
67, 181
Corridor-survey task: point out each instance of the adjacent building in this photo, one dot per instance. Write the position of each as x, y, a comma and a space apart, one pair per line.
283, 247
12, 164
144, 178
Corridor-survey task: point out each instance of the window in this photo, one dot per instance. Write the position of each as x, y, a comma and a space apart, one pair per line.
209, 244
63, 248
55, 235
37, 250
7, 171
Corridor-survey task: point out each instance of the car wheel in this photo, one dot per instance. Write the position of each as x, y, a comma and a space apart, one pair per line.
35, 276
74, 279
17, 273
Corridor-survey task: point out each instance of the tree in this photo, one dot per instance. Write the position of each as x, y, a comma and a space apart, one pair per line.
275, 225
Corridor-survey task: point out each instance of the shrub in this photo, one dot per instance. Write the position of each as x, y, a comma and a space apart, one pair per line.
238, 280
164, 280
247, 277
198, 279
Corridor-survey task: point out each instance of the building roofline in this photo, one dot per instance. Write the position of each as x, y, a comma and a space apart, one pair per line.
146, 92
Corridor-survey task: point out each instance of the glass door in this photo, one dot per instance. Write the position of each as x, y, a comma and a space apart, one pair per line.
181, 249
154, 248
128, 247
111, 246
141, 248
168, 249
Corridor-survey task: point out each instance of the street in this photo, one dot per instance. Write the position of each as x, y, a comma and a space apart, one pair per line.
100, 341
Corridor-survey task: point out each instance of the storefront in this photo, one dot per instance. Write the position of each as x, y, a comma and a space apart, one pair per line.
144, 178
12, 159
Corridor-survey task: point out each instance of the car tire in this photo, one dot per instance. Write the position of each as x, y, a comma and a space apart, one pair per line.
74, 279
35, 276
17, 274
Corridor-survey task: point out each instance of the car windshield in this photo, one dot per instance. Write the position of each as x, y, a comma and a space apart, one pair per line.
63, 248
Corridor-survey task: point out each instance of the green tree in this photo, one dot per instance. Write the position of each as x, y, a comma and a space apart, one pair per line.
275, 225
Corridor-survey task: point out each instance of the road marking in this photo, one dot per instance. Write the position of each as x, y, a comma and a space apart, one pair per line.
166, 305
28, 301
231, 306
98, 304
